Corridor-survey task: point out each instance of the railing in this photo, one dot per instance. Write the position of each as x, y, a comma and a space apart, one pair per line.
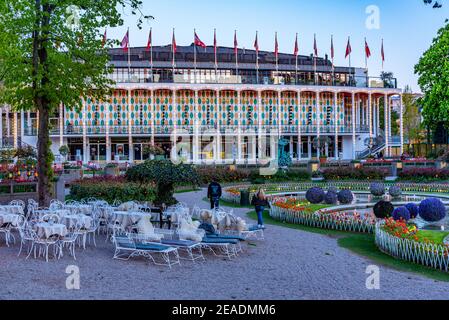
328, 80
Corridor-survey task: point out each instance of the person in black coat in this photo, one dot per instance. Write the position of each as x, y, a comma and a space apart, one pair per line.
259, 202
214, 194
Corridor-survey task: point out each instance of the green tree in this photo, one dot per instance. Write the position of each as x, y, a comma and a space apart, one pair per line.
51, 53
412, 116
165, 175
433, 72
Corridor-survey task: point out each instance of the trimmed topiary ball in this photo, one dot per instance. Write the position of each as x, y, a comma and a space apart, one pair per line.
377, 189
345, 197
331, 198
332, 189
401, 213
432, 210
395, 191
413, 209
383, 209
315, 195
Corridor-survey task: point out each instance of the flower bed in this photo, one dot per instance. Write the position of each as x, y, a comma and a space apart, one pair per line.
348, 173
292, 211
424, 174
395, 238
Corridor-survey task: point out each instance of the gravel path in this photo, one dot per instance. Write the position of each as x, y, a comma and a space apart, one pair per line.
289, 264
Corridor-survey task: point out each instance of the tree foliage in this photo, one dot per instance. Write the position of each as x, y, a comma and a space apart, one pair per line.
51, 53
412, 116
433, 72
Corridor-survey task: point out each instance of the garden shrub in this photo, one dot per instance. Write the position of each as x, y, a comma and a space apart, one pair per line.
413, 209
331, 197
401, 213
395, 191
348, 173
332, 189
315, 195
221, 174
424, 174
383, 209
377, 189
432, 209
110, 189
345, 197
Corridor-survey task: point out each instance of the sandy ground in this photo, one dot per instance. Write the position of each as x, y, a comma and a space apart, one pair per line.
289, 264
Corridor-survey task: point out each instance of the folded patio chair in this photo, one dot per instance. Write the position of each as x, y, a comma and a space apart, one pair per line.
125, 248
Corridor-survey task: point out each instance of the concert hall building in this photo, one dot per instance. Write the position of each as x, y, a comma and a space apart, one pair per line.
224, 113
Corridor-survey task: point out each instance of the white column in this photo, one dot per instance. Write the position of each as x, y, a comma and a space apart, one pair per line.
153, 117
279, 114
335, 124
318, 121
239, 129
130, 128
15, 132
218, 126
108, 102
22, 124
378, 116
86, 150
261, 153
353, 118
8, 123
370, 115
175, 126
61, 125
299, 147
195, 131
386, 115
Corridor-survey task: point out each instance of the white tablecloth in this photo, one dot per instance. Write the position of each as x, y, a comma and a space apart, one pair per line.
82, 208
11, 209
9, 218
60, 213
70, 220
126, 218
46, 230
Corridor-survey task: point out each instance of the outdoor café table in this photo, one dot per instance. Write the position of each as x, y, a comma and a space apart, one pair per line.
82, 208
11, 209
46, 229
43, 212
11, 218
128, 218
71, 220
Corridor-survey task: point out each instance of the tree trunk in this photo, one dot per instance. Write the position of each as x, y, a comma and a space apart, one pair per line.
43, 150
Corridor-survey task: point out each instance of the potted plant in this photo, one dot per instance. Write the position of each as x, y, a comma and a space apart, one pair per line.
317, 176
64, 151
154, 151
112, 169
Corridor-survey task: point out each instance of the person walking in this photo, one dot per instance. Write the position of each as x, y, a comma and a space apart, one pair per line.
259, 201
214, 194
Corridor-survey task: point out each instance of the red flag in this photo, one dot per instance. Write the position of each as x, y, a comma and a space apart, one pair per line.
256, 45
367, 50
125, 42
173, 43
198, 41
276, 46
296, 50
149, 43
235, 43
348, 49
105, 38
332, 48
382, 52
315, 48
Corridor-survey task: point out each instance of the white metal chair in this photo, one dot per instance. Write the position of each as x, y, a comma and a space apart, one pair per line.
50, 217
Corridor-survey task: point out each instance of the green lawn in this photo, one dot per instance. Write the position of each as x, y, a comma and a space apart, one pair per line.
434, 236
363, 245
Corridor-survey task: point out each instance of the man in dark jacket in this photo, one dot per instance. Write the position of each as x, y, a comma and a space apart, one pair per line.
214, 194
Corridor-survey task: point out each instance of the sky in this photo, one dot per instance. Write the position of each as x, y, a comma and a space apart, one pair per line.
407, 27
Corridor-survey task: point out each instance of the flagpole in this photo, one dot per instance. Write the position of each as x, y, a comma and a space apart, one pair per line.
129, 58
333, 66
314, 60
236, 55
215, 52
383, 54
296, 61
151, 55
277, 55
257, 59
366, 58
173, 54
194, 55
350, 73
